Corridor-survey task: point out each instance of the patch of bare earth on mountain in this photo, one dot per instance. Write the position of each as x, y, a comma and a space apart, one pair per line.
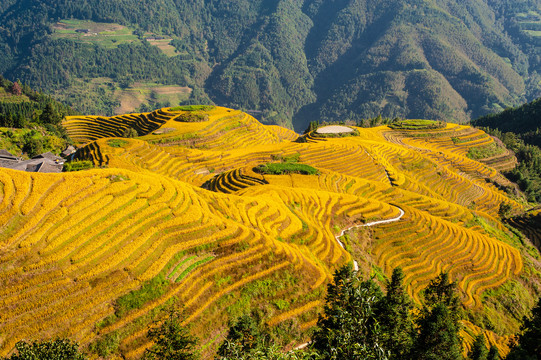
334, 129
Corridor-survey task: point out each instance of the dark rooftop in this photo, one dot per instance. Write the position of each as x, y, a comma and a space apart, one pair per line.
7, 155
46, 162
48, 155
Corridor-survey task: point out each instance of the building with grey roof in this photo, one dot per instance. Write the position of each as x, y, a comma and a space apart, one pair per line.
45, 163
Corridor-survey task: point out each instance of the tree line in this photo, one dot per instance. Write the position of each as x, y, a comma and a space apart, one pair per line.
520, 131
359, 321
26, 105
23, 108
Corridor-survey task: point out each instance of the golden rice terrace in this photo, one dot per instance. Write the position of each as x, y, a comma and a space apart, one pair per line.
183, 206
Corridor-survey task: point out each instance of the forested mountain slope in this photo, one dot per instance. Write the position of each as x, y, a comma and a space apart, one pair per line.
522, 121
520, 130
290, 60
30, 122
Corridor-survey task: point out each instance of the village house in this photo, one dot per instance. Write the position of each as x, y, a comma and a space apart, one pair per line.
44, 163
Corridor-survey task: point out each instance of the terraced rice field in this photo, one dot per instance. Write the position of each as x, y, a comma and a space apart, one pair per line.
184, 207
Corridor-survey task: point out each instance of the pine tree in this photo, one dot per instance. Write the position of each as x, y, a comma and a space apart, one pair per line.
442, 290
439, 322
479, 349
395, 318
438, 338
493, 353
50, 115
529, 342
349, 328
171, 340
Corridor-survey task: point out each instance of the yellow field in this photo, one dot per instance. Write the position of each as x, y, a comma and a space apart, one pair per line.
183, 203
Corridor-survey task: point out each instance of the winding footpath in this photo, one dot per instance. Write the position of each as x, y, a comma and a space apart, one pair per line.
355, 265
372, 223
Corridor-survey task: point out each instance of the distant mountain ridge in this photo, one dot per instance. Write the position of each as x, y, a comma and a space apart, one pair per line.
294, 61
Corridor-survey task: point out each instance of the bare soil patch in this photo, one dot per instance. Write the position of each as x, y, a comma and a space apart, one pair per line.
171, 89
165, 46
334, 129
163, 131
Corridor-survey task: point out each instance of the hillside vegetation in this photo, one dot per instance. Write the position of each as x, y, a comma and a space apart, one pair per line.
30, 122
288, 61
521, 120
520, 131
178, 215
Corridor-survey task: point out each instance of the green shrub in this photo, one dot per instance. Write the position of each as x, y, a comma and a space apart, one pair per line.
417, 125
293, 158
193, 108
78, 165
286, 168
130, 132
117, 143
196, 116
47, 350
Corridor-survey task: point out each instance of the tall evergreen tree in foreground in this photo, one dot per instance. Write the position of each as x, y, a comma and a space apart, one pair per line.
348, 328
395, 318
493, 353
438, 322
479, 349
529, 342
172, 341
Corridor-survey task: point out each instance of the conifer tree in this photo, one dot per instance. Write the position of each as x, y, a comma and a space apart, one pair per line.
479, 349
171, 340
493, 353
439, 322
529, 342
438, 338
349, 328
442, 290
395, 318
50, 115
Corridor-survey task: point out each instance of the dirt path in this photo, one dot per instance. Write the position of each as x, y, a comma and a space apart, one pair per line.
355, 265
373, 223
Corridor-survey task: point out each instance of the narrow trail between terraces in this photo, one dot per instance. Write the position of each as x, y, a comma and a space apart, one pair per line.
372, 223
355, 265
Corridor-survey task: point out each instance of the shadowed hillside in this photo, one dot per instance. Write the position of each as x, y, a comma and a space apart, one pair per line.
291, 62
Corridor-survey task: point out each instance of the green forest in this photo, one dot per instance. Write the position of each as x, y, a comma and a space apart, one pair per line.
289, 62
30, 121
520, 131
